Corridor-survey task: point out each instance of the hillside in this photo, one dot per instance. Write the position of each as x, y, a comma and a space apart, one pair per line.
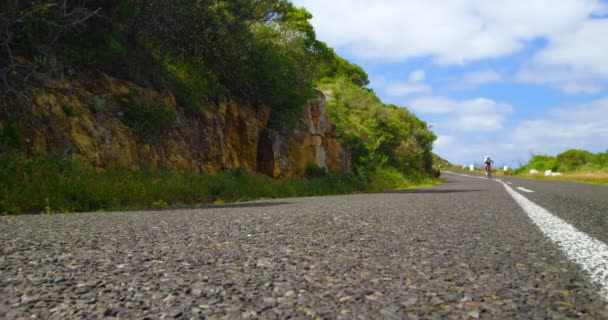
113, 86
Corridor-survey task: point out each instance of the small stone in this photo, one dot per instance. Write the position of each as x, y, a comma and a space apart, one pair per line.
388, 312
110, 313
169, 299
263, 262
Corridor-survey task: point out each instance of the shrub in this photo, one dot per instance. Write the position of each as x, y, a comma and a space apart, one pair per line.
315, 171
148, 118
9, 135
543, 162
193, 83
573, 159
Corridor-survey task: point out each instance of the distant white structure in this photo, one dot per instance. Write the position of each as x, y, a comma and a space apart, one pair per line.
471, 168
550, 173
506, 168
464, 167
533, 171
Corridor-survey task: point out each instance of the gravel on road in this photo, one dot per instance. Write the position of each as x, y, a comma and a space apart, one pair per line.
464, 250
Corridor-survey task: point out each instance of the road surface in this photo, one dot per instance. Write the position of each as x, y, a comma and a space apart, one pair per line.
471, 248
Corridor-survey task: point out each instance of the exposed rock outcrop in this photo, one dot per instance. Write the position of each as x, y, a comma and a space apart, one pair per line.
284, 154
87, 120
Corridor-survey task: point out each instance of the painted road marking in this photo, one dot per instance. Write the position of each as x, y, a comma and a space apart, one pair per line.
589, 253
510, 182
525, 190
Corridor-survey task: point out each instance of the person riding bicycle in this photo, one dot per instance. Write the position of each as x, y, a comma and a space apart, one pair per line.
487, 164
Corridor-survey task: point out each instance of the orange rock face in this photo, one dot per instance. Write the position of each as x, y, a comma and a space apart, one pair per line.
312, 142
87, 122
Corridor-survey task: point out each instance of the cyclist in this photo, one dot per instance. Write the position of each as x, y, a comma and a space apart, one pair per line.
487, 164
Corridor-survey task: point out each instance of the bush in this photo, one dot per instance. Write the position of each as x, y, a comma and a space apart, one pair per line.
574, 159
543, 162
315, 171
379, 135
193, 83
148, 118
9, 135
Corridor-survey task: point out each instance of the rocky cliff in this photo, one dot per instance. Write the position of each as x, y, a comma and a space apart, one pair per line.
106, 122
288, 153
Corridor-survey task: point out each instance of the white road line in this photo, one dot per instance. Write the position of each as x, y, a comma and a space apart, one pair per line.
525, 190
510, 182
466, 175
590, 254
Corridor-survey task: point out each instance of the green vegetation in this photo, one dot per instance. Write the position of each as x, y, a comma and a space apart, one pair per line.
439, 162
149, 119
263, 52
9, 135
387, 143
202, 51
575, 165
570, 161
58, 185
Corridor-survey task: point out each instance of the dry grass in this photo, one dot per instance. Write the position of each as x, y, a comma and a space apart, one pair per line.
587, 177
597, 177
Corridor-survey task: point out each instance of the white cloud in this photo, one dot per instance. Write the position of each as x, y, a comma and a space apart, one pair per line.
442, 105
575, 62
476, 78
451, 31
583, 126
418, 76
414, 85
400, 89
444, 141
474, 115
583, 50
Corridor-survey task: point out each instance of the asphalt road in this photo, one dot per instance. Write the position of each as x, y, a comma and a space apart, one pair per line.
463, 250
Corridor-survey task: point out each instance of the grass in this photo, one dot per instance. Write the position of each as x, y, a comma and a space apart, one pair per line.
59, 185
587, 177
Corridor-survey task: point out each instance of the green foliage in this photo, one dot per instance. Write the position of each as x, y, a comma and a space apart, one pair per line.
379, 135
332, 66
569, 161
159, 204
440, 162
9, 135
573, 159
99, 104
193, 83
67, 109
149, 118
544, 162
265, 51
56, 36
314, 171
58, 184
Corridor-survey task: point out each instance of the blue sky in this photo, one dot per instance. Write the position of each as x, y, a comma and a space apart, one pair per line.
504, 78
